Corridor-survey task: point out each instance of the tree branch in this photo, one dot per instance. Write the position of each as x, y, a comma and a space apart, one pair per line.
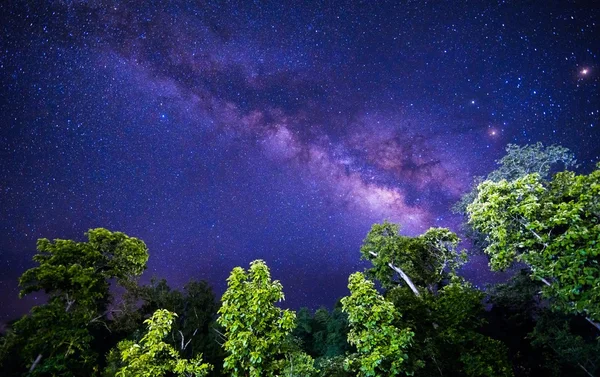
591, 321
189, 340
35, 363
404, 277
182, 339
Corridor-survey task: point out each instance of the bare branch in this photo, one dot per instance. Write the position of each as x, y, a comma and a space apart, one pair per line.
404, 277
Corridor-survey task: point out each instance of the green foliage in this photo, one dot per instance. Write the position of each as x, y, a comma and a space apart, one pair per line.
447, 310
516, 163
333, 367
381, 347
192, 331
196, 306
543, 342
325, 333
255, 329
75, 276
296, 362
330, 338
519, 162
427, 259
80, 270
554, 333
458, 313
551, 226
63, 338
447, 338
153, 357
528, 159
304, 328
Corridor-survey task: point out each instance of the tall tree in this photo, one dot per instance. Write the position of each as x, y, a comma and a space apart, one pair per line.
520, 161
420, 262
192, 331
447, 313
153, 357
381, 347
255, 329
56, 337
557, 334
553, 227
196, 307
516, 163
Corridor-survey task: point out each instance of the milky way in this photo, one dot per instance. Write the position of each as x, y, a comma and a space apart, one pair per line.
222, 132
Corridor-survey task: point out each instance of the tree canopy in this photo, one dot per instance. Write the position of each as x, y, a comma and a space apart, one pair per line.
520, 161
381, 348
551, 226
153, 357
255, 329
427, 320
56, 337
421, 262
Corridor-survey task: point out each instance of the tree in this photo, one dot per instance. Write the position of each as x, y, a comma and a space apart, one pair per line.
445, 311
153, 357
255, 329
305, 326
75, 276
333, 367
196, 306
421, 262
192, 331
458, 312
381, 347
553, 227
297, 363
329, 339
448, 331
518, 162
323, 335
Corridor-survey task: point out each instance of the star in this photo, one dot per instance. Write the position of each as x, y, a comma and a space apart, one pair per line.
493, 132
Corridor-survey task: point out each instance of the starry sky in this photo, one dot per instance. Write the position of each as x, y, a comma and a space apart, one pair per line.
220, 132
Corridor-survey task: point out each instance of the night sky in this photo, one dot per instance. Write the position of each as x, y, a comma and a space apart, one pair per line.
222, 132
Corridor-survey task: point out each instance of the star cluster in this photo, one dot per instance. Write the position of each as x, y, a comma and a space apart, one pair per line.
224, 131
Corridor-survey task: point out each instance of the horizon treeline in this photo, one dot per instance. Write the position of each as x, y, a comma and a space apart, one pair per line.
534, 214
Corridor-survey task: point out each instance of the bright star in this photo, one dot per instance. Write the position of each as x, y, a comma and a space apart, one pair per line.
493, 132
